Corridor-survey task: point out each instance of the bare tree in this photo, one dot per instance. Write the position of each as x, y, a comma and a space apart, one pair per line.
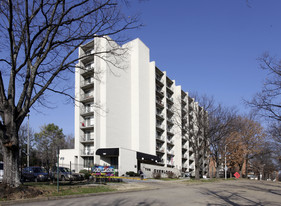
263, 163
38, 45
274, 132
267, 101
69, 142
23, 141
221, 121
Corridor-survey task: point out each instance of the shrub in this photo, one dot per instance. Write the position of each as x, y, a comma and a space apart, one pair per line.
156, 175
171, 175
86, 173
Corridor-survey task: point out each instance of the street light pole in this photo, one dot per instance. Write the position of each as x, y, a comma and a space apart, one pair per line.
225, 167
28, 141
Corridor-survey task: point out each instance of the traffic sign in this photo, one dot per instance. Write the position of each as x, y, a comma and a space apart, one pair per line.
236, 175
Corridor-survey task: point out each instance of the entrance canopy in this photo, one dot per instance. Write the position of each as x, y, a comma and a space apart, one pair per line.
147, 157
108, 152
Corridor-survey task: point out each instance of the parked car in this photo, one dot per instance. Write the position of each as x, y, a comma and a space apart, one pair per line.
35, 174
252, 177
65, 174
1, 171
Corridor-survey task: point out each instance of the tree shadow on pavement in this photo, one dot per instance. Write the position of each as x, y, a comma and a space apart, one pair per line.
262, 189
231, 198
129, 202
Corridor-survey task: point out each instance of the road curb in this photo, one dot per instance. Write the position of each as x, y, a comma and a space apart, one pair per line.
43, 199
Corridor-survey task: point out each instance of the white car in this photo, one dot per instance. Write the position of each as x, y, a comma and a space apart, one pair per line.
1, 171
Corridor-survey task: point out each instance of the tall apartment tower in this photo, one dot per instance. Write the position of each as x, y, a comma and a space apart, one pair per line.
130, 114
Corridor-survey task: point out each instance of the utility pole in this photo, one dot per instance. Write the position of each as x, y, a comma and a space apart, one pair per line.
225, 167
28, 140
58, 156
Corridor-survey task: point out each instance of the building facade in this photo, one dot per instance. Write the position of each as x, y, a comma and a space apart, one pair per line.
129, 113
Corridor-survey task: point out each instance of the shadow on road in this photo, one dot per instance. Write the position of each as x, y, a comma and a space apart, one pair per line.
124, 201
239, 194
231, 198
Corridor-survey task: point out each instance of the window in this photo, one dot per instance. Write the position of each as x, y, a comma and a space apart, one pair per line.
88, 162
89, 107
88, 135
89, 121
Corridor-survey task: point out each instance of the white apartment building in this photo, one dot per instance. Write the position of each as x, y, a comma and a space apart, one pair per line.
130, 114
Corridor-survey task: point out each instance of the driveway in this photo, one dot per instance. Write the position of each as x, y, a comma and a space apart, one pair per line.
241, 192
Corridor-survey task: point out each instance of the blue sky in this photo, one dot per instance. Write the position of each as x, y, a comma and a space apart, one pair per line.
207, 46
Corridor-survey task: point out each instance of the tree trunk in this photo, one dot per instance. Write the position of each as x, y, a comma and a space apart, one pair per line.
10, 149
197, 167
11, 166
246, 165
217, 172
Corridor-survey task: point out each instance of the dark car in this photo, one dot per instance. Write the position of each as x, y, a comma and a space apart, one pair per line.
34, 174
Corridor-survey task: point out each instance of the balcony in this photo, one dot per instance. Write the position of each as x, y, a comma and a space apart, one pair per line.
170, 163
159, 149
191, 167
183, 103
86, 126
184, 96
160, 138
159, 80
88, 56
87, 153
169, 83
170, 121
185, 147
184, 111
85, 111
88, 97
185, 165
184, 156
169, 90
87, 71
160, 93
184, 139
160, 127
170, 100
170, 142
169, 105
190, 160
160, 103
159, 115
170, 152
170, 131
85, 85
87, 139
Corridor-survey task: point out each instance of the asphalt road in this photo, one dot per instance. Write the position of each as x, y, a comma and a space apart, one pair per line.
242, 192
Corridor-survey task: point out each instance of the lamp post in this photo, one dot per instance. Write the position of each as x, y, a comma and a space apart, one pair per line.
28, 140
225, 167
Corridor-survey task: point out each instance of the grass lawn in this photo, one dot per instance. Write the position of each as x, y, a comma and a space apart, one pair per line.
201, 181
43, 189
